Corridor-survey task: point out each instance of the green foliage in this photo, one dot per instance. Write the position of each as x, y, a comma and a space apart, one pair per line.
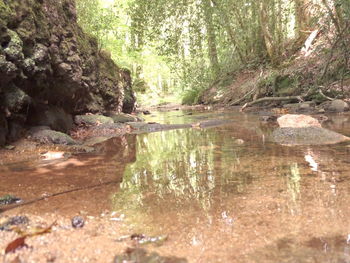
181, 47
191, 97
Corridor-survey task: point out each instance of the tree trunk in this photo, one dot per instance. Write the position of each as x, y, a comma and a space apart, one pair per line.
211, 37
264, 22
301, 19
229, 29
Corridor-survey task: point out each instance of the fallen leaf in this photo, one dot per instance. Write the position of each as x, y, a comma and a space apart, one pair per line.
15, 244
20, 242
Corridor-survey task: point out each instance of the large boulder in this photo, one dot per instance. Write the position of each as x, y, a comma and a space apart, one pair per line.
307, 136
304, 130
297, 121
46, 58
338, 106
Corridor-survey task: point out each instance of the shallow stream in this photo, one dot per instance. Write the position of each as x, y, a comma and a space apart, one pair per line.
222, 194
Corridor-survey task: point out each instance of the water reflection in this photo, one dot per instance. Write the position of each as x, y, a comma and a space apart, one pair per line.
184, 166
223, 194
227, 195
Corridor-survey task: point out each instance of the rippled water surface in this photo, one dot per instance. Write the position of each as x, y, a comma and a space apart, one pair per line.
222, 194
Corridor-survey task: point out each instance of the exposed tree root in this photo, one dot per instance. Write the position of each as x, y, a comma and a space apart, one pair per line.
236, 102
324, 96
269, 99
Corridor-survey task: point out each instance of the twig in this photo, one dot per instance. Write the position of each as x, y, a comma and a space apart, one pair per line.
323, 95
243, 98
10, 207
325, 69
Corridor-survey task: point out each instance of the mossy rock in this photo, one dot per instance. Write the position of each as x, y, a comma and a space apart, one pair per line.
92, 119
307, 136
55, 137
123, 118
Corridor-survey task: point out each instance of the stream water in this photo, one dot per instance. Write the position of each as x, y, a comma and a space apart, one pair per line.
222, 194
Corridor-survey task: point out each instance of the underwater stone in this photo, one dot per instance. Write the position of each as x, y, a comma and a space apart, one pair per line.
306, 136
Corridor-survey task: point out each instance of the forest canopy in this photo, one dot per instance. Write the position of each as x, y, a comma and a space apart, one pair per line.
181, 47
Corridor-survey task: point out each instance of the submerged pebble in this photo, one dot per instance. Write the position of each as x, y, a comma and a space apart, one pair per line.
6, 223
9, 199
78, 222
141, 255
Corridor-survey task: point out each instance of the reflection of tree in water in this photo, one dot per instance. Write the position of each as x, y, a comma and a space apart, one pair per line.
293, 185
184, 167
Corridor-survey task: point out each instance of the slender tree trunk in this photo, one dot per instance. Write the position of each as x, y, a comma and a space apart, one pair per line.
229, 30
264, 22
211, 37
302, 19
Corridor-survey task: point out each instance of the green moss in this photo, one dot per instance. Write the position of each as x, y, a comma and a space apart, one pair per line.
286, 85
5, 12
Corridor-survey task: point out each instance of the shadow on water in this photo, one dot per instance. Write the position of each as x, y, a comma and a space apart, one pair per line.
66, 185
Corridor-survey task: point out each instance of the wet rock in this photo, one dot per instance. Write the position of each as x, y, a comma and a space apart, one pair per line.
141, 127
7, 223
13, 50
122, 118
95, 140
3, 130
54, 117
18, 220
338, 106
16, 99
297, 121
35, 129
78, 222
306, 136
81, 149
139, 255
268, 118
306, 106
55, 137
213, 123
45, 57
92, 119
15, 129
129, 104
9, 199
108, 130
147, 112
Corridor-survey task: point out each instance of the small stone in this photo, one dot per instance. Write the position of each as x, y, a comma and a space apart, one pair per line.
18, 220
78, 222
146, 112
9, 199
338, 106
239, 141
10, 147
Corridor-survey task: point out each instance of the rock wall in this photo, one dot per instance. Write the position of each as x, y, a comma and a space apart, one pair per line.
48, 65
